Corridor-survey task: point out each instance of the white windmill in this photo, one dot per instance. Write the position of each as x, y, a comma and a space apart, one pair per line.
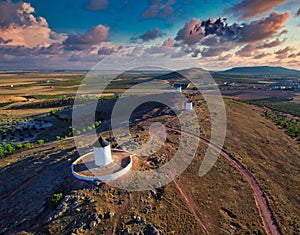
102, 152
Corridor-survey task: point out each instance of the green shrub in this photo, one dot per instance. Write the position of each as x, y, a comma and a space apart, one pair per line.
1, 151
97, 123
289, 124
40, 141
10, 149
19, 145
53, 112
56, 198
57, 137
27, 145
78, 132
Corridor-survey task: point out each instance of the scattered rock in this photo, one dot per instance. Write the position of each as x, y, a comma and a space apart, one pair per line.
108, 215
150, 230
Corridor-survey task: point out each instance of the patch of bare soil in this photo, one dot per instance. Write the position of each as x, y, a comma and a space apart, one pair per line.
222, 199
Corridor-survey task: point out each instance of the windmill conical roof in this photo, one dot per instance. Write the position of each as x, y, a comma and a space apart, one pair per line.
101, 142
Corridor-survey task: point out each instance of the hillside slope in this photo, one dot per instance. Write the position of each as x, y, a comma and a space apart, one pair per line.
222, 200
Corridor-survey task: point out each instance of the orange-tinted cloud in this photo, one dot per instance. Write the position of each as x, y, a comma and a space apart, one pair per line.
84, 41
19, 27
159, 9
211, 51
294, 55
186, 35
148, 36
248, 9
283, 53
246, 51
169, 42
261, 55
263, 28
225, 57
3, 41
271, 44
95, 5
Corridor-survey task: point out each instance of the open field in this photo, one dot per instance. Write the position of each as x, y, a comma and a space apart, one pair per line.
284, 101
221, 202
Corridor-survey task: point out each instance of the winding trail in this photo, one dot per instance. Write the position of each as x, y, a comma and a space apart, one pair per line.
119, 214
190, 205
270, 225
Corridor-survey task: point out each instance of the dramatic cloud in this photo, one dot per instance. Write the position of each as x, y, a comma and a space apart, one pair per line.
81, 42
148, 36
210, 40
169, 42
159, 9
19, 27
2, 41
108, 50
285, 31
95, 5
225, 57
263, 28
211, 51
190, 34
271, 44
212, 32
248, 9
283, 53
53, 49
246, 51
13, 13
261, 55
217, 36
158, 49
294, 55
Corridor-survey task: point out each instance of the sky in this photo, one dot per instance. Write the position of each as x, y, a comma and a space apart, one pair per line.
217, 35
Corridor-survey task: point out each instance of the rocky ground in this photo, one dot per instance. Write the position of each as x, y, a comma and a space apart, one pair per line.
222, 199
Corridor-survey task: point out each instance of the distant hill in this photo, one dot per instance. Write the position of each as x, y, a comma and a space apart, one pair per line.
263, 70
179, 76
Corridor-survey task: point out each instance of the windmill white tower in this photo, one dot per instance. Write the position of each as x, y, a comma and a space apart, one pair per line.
102, 152
179, 89
189, 106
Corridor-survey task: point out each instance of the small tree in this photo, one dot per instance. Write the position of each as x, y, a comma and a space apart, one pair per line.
57, 137
1, 151
97, 123
53, 112
27, 145
10, 149
56, 198
19, 145
78, 132
40, 142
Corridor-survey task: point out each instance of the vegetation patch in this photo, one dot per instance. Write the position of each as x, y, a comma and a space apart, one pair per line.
55, 199
291, 125
278, 104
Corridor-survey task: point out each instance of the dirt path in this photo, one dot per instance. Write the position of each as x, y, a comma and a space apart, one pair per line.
119, 214
270, 225
191, 205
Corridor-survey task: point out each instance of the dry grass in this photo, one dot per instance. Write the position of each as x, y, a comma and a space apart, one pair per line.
222, 198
